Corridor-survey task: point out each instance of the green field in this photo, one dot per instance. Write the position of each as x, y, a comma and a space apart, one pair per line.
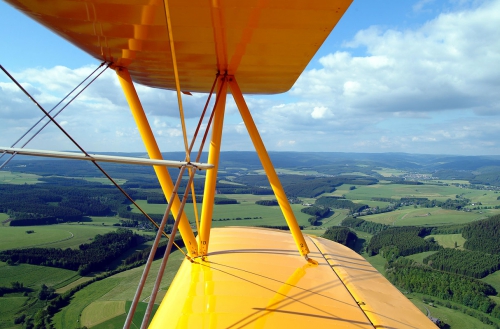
448, 240
50, 236
455, 319
420, 256
271, 215
494, 280
378, 262
118, 321
430, 191
32, 276
8, 308
3, 217
387, 172
407, 216
101, 311
119, 287
7, 177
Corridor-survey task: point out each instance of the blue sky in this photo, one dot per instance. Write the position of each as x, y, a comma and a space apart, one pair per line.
394, 76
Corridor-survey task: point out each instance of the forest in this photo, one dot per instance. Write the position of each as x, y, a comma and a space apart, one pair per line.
363, 225
413, 277
342, 235
475, 264
408, 241
483, 235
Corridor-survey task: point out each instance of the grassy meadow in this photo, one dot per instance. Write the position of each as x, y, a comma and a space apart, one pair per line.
113, 292
454, 318
7, 177
448, 240
50, 236
407, 216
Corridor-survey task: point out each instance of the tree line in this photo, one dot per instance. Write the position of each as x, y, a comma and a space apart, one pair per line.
334, 202
90, 257
364, 225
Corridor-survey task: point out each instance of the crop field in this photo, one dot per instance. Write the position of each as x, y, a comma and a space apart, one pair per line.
100, 311
119, 287
7, 177
65, 286
32, 276
424, 216
118, 321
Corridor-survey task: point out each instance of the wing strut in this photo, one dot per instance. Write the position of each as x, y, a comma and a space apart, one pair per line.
211, 177
154, 153
269, 168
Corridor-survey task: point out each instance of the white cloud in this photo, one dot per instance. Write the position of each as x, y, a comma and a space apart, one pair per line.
427, 89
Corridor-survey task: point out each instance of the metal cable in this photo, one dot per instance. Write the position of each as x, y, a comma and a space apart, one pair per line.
176, 75
95, 163
55, 115
53, 108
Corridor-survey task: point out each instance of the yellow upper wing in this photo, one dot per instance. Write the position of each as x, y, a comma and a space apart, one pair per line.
265, 43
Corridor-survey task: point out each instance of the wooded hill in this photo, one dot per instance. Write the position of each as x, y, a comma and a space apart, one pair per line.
475, 264
412, 277
342, 235
483, 235
404, 241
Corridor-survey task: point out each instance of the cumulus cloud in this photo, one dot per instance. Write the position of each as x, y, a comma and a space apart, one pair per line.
431, 88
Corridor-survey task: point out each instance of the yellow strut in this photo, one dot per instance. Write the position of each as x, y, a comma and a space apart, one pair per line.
211, 178
268, 167
154, 153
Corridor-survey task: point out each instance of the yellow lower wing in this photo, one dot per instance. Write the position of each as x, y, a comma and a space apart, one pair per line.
255, 278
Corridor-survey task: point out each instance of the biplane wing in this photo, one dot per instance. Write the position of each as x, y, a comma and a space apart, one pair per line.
233, 277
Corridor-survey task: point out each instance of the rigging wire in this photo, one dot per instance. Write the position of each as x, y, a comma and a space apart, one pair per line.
55, 115
53, 108
176, 75
164, 261
83, 151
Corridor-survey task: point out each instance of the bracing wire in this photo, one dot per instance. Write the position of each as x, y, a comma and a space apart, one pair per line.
55, 115
176, 75
51, 118
53, 108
